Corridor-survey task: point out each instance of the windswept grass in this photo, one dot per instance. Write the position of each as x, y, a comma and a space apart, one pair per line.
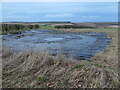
41, 70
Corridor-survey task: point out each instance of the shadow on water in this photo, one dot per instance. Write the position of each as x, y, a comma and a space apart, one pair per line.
79, 45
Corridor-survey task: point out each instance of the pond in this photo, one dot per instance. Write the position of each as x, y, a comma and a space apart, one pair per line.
81, 46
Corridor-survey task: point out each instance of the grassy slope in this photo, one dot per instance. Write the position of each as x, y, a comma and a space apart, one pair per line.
40, 70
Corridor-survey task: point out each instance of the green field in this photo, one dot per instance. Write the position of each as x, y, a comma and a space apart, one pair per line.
20, 27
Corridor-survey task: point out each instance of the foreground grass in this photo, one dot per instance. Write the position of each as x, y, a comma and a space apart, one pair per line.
41, 70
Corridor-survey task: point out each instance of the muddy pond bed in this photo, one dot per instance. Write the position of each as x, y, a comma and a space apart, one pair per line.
80, 46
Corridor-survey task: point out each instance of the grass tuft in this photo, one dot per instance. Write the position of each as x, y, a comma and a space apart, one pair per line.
77, 66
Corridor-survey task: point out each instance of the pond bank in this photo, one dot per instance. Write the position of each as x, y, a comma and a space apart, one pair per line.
111, 53
40, 70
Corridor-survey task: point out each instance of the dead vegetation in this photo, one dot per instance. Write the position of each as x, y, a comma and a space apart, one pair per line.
41, 70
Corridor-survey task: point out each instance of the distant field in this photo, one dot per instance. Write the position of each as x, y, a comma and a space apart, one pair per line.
18, 27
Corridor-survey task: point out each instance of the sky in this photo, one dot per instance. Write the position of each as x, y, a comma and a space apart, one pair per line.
60, 11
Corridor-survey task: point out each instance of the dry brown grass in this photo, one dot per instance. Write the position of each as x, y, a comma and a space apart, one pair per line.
41, 70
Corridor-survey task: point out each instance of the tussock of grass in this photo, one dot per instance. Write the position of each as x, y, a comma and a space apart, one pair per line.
77, 66
96, 64
41, 70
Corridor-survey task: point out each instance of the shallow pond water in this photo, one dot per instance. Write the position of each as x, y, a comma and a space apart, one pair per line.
78, 45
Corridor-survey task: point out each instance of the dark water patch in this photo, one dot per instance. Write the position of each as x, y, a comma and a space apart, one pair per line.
81, 46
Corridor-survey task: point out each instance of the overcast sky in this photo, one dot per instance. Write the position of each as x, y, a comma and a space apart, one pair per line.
60, 11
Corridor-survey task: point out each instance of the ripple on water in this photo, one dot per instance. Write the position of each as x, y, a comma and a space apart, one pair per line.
53, 39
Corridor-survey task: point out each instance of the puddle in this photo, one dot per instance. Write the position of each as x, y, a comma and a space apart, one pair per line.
78, 45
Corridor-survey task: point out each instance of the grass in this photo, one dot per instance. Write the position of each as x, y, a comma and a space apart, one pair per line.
96, 64
77, 66
40, 69
21, 80
18, 28
41, 78
86, 68
14, 31
46, 27
108, 29
112, 68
